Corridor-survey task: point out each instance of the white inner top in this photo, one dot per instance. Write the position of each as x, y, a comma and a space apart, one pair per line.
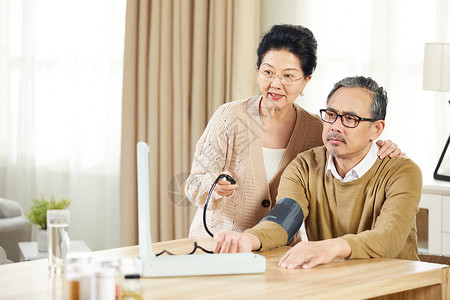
272, 159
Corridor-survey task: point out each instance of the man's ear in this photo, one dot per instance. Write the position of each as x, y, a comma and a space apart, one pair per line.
377, 129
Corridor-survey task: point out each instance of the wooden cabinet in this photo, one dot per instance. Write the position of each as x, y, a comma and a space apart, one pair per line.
436, 201
446, 225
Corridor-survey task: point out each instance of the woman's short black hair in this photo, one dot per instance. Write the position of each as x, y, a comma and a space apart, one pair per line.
296, 39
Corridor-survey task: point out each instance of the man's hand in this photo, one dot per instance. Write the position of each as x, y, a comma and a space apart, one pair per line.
388, 148
235, 242
310, 254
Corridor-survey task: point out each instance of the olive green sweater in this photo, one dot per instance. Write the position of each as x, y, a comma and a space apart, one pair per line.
375, 214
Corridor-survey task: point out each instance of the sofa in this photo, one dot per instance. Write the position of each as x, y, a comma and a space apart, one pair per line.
3, 259
13, 228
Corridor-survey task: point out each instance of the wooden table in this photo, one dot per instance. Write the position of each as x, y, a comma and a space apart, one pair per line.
341, 279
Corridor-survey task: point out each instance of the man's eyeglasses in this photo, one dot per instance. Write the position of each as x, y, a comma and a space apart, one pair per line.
285, 78
348, 120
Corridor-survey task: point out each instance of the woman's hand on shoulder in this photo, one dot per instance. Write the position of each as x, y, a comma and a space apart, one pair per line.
388, 148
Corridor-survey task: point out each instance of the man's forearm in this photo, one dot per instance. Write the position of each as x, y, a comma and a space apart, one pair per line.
256, 243
342, 248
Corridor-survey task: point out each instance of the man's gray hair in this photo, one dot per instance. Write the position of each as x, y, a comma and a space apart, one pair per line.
379, 95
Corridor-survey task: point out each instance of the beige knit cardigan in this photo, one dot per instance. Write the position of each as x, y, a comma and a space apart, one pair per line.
232, 141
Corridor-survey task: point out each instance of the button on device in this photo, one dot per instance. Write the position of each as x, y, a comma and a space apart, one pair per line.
265, 203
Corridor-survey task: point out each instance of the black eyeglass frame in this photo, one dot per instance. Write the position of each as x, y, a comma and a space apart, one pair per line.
341, 115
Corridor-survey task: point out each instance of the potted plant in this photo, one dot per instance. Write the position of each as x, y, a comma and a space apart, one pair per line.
38, 216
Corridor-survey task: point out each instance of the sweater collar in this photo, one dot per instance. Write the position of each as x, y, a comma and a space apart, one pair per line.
357, 171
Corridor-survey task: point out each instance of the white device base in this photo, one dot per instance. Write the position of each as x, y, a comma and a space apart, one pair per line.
203, 264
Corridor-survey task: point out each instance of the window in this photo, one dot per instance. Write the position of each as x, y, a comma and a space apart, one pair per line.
60, 109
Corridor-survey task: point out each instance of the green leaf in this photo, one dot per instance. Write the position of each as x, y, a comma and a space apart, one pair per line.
38, 212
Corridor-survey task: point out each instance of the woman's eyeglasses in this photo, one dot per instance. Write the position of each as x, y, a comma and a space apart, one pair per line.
285, 78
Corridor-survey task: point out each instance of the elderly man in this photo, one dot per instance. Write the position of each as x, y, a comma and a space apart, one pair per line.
354, 204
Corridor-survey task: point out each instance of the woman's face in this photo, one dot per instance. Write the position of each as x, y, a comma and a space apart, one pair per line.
284, 64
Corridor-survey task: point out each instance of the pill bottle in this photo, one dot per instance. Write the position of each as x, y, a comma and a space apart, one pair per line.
113, 263
103, 284
131, 287
78, 276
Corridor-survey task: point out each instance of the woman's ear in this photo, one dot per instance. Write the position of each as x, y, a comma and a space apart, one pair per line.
307, 79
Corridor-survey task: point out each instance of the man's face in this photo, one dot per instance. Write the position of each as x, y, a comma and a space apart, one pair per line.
350, 143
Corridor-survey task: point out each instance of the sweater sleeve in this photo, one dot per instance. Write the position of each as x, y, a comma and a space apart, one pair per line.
209, 159
396, 218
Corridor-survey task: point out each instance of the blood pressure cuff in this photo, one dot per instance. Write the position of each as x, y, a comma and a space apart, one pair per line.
288, 214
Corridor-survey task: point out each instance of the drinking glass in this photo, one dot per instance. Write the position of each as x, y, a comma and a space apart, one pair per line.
58, 221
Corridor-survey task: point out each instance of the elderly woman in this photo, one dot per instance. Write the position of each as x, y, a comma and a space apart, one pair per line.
254, 139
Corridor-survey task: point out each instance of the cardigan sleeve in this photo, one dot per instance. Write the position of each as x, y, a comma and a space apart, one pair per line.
210, 158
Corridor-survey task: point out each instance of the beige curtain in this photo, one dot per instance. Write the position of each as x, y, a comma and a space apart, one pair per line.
183, 58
